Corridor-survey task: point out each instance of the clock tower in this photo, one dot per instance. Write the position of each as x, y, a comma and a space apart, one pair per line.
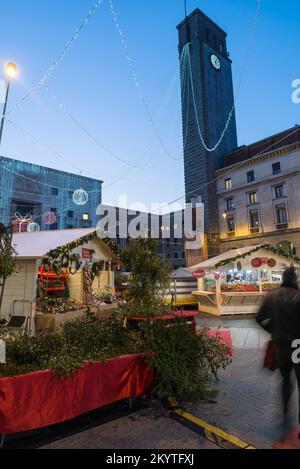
207, 104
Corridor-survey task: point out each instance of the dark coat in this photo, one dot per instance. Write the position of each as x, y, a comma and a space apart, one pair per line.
279, 314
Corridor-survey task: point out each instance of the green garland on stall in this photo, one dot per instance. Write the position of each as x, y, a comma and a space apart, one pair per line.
268, 247
67, 248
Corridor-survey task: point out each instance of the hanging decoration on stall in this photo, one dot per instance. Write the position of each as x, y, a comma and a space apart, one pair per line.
256, 263
80, 197
260, 261
98, 267
87, 254
33, 227
20, 223
268, 247
199, 274
49, 218
74, 264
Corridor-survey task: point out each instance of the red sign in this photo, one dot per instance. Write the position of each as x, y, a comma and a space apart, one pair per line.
271, 263
199, 274
256, 263
259, 261
87, 253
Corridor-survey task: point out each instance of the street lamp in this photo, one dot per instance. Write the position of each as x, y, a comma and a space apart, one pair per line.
11, 71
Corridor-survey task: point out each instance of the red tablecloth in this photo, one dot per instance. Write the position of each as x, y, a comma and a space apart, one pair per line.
224, 336
42, 399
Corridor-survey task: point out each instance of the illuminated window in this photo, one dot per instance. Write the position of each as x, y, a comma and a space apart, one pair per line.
254, 220
230, 203
253, 198
85, 217
228, 183
230, 224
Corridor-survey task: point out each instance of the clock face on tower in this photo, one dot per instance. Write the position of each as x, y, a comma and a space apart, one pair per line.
215, 62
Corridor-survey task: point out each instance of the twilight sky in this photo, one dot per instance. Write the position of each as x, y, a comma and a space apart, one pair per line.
94, 84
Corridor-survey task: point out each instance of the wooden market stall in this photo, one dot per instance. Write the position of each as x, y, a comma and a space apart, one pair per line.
59, 274
236, 282
182, 285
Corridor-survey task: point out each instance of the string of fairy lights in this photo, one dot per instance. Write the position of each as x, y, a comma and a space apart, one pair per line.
187, 57
50, 70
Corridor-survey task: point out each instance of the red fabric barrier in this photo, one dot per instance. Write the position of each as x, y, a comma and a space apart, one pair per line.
42, 399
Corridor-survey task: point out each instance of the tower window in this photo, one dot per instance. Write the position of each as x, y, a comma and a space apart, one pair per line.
188, 33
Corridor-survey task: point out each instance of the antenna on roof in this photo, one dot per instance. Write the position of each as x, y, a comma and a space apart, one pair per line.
185, 8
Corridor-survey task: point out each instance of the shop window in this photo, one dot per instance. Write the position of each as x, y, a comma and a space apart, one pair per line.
253, 198
276, 168
228, 184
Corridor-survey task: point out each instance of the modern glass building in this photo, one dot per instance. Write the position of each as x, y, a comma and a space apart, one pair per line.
30, 189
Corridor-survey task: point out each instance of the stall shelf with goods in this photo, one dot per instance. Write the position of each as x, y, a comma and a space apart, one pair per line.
235, 282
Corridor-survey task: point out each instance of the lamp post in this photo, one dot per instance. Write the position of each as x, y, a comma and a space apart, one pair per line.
11, 71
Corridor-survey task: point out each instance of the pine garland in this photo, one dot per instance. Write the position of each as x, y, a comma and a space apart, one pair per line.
268, 247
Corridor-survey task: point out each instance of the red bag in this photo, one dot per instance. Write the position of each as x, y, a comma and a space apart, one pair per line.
270, 357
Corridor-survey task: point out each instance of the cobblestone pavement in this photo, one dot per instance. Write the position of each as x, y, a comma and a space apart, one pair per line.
248, 405
245, 333
146, 429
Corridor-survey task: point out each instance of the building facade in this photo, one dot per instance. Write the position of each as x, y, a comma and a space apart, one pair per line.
34, 190
123, 225
207, 105
259, 193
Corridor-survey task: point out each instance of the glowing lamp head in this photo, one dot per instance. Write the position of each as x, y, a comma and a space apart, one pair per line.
11, 70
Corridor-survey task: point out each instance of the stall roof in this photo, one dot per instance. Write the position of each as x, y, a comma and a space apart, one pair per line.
38, 244
210, 263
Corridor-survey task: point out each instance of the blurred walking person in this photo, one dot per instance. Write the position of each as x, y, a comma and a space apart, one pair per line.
279, 314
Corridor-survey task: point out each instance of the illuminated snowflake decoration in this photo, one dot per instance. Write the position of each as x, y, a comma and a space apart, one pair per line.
80, 197
33, 227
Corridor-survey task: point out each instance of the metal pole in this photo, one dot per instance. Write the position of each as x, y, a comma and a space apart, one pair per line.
185, 8
4, 109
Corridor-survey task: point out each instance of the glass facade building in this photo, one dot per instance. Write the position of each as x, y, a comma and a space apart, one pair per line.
30, 189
